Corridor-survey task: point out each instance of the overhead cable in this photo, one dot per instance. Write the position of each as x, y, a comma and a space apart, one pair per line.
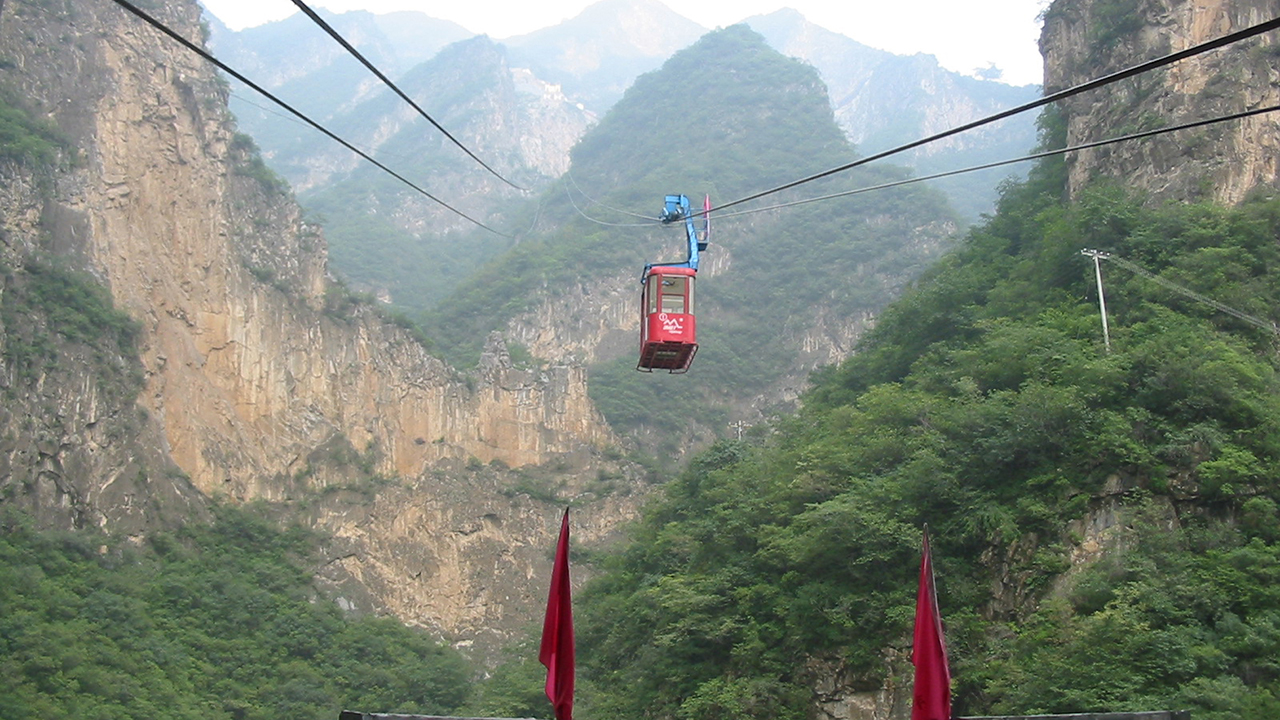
1001, 163
222, 66
601, 222
1061, 95
387, 81
386, 156
569, 174
1131, 267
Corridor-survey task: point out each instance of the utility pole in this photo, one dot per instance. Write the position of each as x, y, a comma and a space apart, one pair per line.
1098, 256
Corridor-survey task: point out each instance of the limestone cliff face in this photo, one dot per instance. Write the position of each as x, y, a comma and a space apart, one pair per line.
1084, 39
453, 551
246, 375
256, 372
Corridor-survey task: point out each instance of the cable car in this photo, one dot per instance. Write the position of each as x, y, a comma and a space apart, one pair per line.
668, 328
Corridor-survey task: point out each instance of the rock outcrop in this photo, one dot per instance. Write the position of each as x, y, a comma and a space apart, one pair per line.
1086, 39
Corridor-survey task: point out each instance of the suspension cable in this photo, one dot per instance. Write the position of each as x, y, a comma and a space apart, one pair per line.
1000, 163
569, 174
1060, 95
587, 217
227, 69
387, 81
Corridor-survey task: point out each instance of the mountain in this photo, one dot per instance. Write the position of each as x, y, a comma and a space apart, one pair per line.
291, 54
390, 237
560, 79
598, 53
882, 101
781, 291
171, 339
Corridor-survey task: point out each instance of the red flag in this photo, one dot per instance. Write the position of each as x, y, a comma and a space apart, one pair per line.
932, 697
557, 631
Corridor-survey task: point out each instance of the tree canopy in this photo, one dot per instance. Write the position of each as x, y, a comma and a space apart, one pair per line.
1104, 523
210, 621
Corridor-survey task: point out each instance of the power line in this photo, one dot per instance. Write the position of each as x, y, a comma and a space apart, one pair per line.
386, 156
225, 68
537, 215
387, 81
1000, 163
587, 217
569, 174
1131, 267
1061, 95
266, 109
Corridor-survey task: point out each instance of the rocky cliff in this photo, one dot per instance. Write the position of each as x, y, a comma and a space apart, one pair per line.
255, 376
1085, 39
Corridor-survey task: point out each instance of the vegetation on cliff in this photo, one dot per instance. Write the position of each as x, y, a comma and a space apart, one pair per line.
24, 138
985, 405
48, 312
209, 621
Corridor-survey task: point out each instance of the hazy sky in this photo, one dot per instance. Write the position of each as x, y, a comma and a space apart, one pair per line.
965, 36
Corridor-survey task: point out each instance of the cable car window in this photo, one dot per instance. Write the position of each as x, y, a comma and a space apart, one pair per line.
652, 294
674, 290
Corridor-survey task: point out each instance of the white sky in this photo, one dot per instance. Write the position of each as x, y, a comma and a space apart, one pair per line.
965, 36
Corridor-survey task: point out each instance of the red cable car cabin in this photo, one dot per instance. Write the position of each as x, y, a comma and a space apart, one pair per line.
668, 330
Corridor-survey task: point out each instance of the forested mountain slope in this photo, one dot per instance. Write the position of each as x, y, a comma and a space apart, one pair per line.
1104, 524
209, 622
781, 291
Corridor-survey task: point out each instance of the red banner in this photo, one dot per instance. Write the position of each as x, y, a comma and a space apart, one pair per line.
932, 696
557, 631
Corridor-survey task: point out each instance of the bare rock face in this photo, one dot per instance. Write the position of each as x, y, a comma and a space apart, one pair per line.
255, 376
1085, 39
252, 358
836, 698
459, 552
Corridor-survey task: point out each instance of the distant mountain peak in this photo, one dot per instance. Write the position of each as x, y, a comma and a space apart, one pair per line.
596, 54
647, 8
785, 14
